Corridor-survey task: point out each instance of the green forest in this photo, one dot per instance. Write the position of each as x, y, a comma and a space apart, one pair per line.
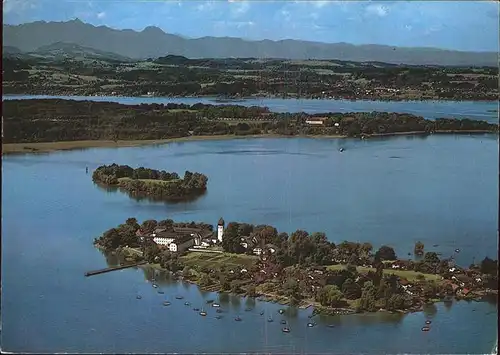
53, 120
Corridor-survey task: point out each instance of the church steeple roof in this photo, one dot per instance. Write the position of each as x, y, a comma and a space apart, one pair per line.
221, 222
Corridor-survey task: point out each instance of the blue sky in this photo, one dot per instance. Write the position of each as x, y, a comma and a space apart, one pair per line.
460, 25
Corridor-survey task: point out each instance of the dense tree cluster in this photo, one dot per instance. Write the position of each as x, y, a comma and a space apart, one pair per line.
66, 120
148, 182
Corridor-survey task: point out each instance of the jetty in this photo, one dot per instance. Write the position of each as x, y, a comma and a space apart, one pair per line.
109, 269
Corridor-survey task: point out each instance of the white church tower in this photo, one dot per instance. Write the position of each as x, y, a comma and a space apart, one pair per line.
220, 230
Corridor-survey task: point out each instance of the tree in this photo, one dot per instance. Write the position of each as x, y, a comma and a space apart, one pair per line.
133, 223
205, 280
251, 291
330, 296
166, 223
225, 285
151, 252
235, 286
186, 272
368, 297
396, 302
489, 266
386, 253
149, 226
351, 290
231, 242
431, 258
419, 248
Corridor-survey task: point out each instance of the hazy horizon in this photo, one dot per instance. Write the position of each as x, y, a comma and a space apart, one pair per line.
443, 25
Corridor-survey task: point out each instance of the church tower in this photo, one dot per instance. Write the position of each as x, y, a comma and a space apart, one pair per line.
220, 230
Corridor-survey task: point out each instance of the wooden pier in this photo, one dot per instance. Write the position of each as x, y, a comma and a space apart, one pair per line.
109, 269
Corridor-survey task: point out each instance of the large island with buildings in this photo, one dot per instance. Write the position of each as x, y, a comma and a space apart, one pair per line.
300, 269
38, 125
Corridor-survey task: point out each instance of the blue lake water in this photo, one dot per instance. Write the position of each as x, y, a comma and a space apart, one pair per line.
437, 189
478, 110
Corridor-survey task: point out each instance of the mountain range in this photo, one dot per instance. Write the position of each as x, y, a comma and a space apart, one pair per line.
152, 42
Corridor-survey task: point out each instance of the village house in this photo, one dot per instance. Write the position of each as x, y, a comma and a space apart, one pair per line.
318, 121
181, 244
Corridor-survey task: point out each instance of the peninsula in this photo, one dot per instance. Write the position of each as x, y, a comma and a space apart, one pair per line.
143, 182
38, 125
300, 269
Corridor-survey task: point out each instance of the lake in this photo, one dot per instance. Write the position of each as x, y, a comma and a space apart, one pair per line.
477, 110
437, 189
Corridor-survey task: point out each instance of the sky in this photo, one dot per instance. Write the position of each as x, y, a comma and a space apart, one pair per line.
458, 25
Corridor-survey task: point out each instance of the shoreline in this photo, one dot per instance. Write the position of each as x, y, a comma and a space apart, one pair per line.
305, 304
265, 97
49, 147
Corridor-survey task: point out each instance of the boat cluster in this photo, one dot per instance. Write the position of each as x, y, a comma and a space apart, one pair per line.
427, 326
210, 303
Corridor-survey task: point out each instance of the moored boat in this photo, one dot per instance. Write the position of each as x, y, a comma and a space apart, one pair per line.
203, 313
216, 305
238, 319
426, 329
138, 297
285, 330
179, 297
166, 303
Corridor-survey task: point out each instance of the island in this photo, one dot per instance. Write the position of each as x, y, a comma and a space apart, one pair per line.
300, 269
51, 124
144, 182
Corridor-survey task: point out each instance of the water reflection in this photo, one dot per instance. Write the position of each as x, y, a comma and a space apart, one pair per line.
138, 197
430, 310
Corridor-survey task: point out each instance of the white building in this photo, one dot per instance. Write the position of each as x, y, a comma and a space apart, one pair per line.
315, 121
220, 230
181, 244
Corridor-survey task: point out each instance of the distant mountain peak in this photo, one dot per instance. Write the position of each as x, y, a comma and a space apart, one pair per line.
153, 30
153, 42
76, 20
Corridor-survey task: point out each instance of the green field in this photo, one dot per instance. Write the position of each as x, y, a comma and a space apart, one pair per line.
216, 261
410, 275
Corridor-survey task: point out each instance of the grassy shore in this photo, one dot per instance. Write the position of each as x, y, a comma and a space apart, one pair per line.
47, 147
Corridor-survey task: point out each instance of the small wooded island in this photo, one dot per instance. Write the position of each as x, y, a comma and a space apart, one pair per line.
143, 182
300, 269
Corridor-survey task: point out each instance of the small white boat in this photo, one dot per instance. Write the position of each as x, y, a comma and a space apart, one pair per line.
155, 285
341, 150
215, 305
